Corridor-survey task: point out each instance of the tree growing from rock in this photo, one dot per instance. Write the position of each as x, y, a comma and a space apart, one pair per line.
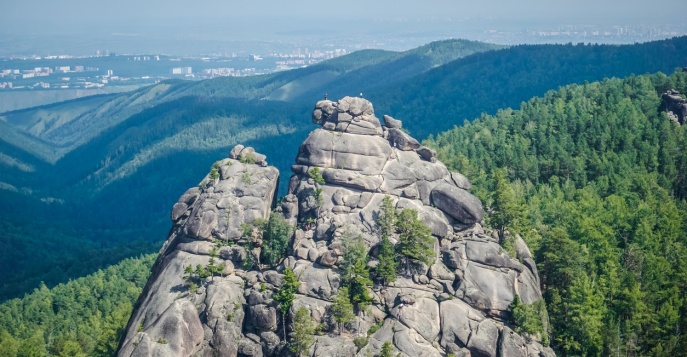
275, 238
286, 294
316, 175
213, 268
248, 234
342, 308
303, 330
387, 348
504, 206
415, 241
386, 269
355, 273
387, 217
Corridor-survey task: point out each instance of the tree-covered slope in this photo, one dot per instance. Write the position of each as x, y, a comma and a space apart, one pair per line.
84, 317
597, 187
488, 81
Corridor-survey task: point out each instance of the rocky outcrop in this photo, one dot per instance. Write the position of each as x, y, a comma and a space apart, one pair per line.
458, 304
675, 106
172, 320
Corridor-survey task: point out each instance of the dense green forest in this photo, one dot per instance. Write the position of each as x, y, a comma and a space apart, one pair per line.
488, 81
84, 317
597, 176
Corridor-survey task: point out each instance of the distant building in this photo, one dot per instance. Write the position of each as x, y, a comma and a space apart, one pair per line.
182, 70
254, 57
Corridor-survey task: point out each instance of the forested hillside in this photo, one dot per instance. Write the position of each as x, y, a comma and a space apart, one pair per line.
593, 176
486, 82
84, 317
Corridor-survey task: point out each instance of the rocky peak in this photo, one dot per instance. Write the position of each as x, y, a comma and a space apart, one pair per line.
459, 303
675, 106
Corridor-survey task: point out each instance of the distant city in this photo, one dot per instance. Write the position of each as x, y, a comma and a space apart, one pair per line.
105, 68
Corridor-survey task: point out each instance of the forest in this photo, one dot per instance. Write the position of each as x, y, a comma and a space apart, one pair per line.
83, 317
594, 179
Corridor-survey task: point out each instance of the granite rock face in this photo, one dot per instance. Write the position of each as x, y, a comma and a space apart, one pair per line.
459, 304
675, 106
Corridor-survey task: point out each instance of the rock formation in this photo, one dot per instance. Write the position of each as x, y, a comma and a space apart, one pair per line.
457, 305
675, 106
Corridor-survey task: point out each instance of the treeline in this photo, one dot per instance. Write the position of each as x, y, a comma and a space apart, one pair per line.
597, 174
488, 81
84, 317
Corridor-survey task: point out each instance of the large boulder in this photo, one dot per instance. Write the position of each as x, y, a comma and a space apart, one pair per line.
457, 203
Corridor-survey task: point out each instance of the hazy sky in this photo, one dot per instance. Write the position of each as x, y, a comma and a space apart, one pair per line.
47, 16
204, 26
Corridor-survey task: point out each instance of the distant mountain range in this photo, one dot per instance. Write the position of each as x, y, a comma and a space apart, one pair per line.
102, 172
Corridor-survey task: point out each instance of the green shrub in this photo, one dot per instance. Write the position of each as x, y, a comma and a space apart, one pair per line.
360, 342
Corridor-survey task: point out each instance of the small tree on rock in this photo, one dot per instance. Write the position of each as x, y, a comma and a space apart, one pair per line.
342, 308
355, 273
504, 205
275, 239
303, 330
386, 269
286, 294
386, 349
415, 239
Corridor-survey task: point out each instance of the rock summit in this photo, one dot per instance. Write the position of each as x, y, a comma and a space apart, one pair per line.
459, 304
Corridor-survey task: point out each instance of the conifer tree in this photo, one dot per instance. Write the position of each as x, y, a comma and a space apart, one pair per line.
342, 309
275, 238
505, 207
415, 239
303, 330
355, 272
286, 294
386, 349
386, 269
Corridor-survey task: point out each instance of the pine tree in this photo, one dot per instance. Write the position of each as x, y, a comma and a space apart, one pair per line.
505, 207
286, 294
342, 309
387, 267
387, 217
213, 268
386, 349
275, 238
355, 273
415, 239
303, 330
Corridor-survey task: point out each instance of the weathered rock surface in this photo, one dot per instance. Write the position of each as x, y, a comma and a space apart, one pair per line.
675, 106
458, 304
